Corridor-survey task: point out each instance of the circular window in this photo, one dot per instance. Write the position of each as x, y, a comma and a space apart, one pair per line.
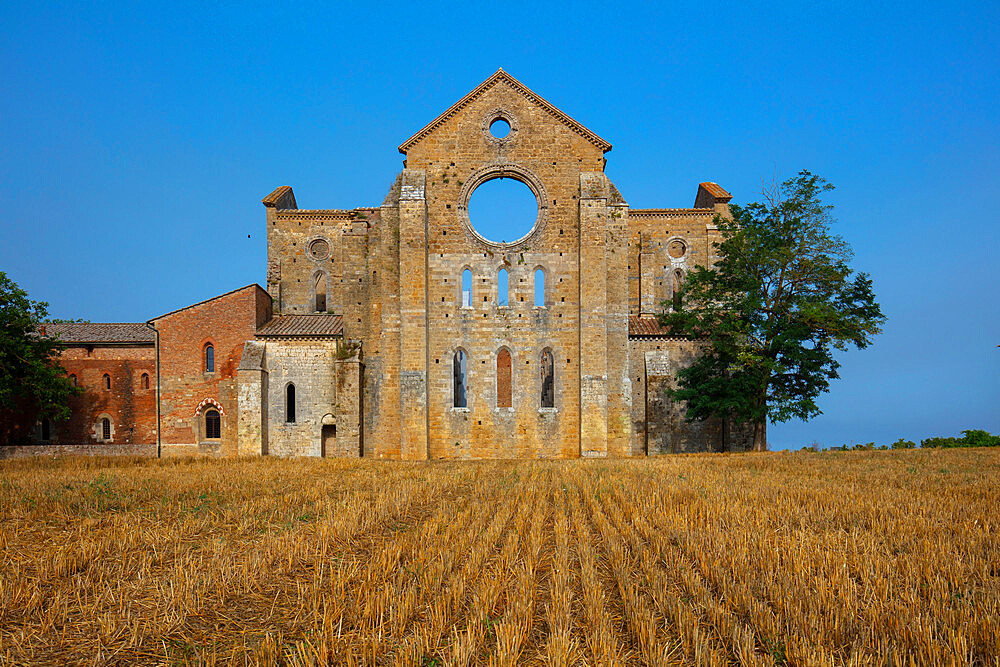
676, 249
503, 210
500, 128
319, 249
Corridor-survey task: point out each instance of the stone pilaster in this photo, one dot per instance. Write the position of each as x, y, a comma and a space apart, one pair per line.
251, 380
413, 315
350, 405
593, 316
619, 385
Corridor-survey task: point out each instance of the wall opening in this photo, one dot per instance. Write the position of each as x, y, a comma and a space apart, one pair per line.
459, 372
46, 430
539, 287
105, 429
504, 398
290, 403
106, 380
678, 283
548, 398
319, 292
466, 288
499, 128
144, 381
209, 358
328, 439
213, 425
503, 210
503, 288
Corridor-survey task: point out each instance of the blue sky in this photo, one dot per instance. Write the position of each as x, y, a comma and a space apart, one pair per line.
137, 140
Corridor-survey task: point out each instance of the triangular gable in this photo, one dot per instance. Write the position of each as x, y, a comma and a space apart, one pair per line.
499, 76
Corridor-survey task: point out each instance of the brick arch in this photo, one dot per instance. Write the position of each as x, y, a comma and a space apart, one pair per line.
210, 402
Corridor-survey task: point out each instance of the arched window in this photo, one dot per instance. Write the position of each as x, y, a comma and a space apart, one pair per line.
105, 429
539, 287
466, 288
677, 284
107, 381
503, 288
504, 379
459, 370
209, 358
290, 403
319, 292
72, 378
548, 380
144, 381
213, 424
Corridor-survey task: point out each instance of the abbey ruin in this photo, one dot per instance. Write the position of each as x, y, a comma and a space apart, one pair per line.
398, 331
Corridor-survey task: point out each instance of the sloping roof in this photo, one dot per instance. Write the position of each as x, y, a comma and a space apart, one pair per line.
195, 305
502, 76
253, 356
277, 194
303, 325
645, 326
716, 190
101, 332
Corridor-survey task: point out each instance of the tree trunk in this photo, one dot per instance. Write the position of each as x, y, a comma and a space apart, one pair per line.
760, 435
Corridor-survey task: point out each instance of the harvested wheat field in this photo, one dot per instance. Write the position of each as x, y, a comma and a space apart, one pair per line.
766, 559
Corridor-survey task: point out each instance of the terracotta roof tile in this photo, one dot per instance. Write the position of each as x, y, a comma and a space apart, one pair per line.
716, 190
303, 325
101, 332
645, 326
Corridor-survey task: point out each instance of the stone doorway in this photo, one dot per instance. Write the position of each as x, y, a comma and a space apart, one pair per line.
328, 440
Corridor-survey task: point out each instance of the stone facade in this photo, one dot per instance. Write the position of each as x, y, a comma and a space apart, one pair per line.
365, 342
394, 276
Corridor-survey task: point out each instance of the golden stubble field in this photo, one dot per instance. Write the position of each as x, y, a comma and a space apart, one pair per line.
755, 559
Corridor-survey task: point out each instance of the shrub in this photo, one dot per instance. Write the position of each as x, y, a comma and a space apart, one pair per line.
903, 444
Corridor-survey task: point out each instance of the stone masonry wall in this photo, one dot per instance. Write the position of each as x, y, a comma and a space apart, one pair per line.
310, 365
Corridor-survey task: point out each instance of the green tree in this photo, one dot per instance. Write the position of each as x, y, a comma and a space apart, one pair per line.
777, 303
30, 375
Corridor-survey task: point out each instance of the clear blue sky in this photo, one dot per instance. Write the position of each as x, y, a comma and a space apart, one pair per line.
136, 142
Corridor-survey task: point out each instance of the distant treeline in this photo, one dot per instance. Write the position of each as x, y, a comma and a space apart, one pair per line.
970, 438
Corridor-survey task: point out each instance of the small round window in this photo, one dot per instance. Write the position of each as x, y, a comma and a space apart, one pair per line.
676, 249
319, 249
500, 128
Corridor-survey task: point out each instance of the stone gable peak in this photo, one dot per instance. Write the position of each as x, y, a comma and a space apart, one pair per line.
500, 76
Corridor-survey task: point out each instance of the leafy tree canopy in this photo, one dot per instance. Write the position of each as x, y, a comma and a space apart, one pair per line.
30, 375
779, 300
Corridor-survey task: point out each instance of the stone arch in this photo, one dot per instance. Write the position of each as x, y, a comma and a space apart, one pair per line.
290, 403
103, 429
460, 378
676, 285
319, 291
503, 286
504, 378
465, 287
503, 170
547, 398
540, 296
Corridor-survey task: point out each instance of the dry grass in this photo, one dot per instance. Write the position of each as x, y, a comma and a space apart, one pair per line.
806, 559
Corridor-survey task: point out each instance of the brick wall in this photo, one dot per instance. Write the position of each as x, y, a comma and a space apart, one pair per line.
129, 404
227, 322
